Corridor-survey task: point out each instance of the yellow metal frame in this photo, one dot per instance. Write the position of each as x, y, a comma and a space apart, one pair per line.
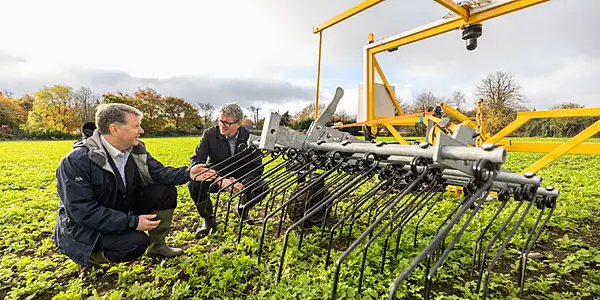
462, 17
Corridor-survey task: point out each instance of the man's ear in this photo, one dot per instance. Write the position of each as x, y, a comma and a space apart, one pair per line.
112, 128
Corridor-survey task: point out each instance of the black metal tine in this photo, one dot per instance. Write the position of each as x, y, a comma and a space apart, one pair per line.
440, 236
423, 217
375, 202
491, 243
399, 211
417, 161
263, 193
336, 184
525, 254
340, 223
412, 214
479, 239
440, 261
439, 249
237, 195
292, 198
502, 248
334, 196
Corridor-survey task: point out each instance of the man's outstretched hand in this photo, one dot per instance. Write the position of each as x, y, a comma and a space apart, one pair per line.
199, 172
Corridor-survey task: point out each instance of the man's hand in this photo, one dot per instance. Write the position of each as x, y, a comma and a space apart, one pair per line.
145, 222
199, 172
229, 183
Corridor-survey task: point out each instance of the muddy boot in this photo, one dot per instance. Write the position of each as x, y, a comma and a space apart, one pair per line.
243, 206
206, 212
96, 258
157, 246
208, 226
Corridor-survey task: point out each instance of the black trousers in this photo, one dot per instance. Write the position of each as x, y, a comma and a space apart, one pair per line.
129, 245
199, 191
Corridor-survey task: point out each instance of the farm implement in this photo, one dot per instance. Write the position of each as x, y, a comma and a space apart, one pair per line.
383, 208
362, 195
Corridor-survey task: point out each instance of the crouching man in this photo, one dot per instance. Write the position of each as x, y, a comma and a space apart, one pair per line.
242, 174
112, 190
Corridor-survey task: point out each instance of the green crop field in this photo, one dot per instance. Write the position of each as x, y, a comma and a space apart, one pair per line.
217, 267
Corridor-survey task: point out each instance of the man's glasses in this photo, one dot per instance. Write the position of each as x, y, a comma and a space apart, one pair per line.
225, 123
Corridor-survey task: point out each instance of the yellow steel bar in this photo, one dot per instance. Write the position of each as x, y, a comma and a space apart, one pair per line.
562, 113
451, 5
455, 113
414, 117
514, 125
370, 90
395, 133
387, 87
477, 15
546, 147
564, 148
318, 76
345, 15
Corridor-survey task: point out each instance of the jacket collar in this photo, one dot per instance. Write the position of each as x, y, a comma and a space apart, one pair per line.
98, 155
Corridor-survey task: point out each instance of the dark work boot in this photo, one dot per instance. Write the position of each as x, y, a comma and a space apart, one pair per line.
206, 212
243, 206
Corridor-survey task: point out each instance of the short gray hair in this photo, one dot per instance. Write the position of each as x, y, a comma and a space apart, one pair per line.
232, 110
113, 113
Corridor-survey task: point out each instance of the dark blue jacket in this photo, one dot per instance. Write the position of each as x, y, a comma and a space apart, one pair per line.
87, 189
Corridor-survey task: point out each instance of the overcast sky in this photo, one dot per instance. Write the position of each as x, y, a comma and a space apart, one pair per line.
264, 53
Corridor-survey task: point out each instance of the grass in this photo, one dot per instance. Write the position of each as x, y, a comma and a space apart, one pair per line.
219, 267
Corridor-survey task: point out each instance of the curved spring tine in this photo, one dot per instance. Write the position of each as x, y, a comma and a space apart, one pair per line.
292, 198
437, 239
401, 210
423, 217
457, 236
345, 177
230, 185
368, 231
491, 243
479, 239
502, 248
340, 223
525, 254
334, 196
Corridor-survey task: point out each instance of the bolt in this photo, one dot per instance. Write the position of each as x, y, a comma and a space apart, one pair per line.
424, 145
529, 175
488, 146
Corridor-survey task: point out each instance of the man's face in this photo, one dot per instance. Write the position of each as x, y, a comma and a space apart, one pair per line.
228, 125
128, 133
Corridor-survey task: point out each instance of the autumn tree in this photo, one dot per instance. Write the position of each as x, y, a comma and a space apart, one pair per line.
502, 100
52, 111
308, 112
26, 102
11, 113
181, 114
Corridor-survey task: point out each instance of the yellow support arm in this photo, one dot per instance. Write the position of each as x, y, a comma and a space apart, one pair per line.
395, 133
347, 14
455, 113
477, 15
564, 148
387, 86
451, 5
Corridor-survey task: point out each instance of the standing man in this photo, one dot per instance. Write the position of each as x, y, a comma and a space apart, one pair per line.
112, 190
219, 143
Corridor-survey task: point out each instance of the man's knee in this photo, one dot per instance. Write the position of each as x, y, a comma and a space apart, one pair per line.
128, 247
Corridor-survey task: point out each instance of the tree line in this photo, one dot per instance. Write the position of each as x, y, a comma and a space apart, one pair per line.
59, 111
